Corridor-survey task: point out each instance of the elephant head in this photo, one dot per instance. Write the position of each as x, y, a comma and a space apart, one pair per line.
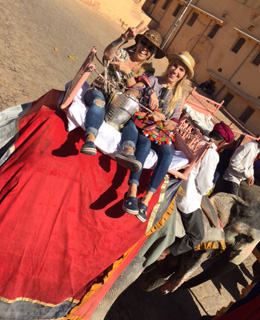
241, 221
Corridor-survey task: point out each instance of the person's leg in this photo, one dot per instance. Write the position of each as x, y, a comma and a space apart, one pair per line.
129, 135
194, 228
165, 155
143, 147
95, 101
128, 142
231, 187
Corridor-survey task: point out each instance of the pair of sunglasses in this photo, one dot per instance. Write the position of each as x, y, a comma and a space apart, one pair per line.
150, 48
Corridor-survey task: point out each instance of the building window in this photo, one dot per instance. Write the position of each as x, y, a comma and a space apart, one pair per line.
177, 10
214, 31
166, 4
256, 60
246, 114
238, 45
228, 97
192, 19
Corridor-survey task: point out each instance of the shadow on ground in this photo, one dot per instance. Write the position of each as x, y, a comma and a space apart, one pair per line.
134, 304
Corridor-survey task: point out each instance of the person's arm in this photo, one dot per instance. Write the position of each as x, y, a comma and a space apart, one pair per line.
136, 90
204, 179
242, 161
112, 48
123, 67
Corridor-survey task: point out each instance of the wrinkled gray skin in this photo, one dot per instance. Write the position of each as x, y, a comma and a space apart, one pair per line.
241, 220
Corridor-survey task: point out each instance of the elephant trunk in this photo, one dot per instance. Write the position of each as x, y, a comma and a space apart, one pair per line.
219, 268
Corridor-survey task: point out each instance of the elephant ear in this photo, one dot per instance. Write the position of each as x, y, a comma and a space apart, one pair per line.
223, 203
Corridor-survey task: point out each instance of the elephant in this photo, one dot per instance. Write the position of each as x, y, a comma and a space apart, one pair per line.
240, 219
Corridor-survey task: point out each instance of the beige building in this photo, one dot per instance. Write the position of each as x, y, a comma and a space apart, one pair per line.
224, 38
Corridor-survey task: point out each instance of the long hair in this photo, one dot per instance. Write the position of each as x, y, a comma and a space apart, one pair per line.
177, 90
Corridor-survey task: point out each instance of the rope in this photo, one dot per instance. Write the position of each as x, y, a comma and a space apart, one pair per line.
99, 60
142, 106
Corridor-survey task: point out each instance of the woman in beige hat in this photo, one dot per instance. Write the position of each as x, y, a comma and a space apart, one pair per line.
164, 96
122, 67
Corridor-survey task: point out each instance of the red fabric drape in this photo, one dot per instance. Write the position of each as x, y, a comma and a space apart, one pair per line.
62, 222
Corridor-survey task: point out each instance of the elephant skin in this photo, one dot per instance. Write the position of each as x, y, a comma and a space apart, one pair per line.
241, 222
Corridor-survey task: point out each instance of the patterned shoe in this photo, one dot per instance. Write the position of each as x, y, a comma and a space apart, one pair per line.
89, 148
130, 205
129, 162
142, 214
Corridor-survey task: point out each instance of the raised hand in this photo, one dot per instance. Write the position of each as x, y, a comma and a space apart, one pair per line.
120, 65
131, 33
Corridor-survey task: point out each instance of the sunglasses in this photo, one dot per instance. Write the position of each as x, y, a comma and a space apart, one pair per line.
150, 48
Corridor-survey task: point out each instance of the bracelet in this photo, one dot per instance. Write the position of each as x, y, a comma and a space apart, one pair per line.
129, 75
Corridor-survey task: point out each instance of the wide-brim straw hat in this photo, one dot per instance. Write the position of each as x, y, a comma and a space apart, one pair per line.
186, 58
155, 38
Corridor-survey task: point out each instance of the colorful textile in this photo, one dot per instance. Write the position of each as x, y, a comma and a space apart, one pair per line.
154, 131
61, 219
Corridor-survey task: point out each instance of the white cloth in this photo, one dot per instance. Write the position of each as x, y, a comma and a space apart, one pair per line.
241, 165
108, 138
202, 120
199, 183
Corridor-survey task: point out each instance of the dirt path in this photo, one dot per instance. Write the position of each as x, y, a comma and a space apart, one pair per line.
44, 42
30, 32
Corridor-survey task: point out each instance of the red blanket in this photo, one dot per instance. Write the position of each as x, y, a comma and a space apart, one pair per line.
62, 222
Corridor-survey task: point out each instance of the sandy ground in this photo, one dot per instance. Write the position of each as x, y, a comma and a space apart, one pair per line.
43, 44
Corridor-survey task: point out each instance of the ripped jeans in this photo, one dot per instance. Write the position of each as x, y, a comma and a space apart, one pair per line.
96, 103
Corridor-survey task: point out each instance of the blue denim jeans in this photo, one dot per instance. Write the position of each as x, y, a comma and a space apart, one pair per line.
165, 156
96, 103
142, 145
129, 135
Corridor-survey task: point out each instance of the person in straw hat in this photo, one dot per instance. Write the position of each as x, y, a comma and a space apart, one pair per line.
122, 67
164, 96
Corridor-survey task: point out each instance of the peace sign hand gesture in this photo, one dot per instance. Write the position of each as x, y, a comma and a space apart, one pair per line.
120, 65
131, 33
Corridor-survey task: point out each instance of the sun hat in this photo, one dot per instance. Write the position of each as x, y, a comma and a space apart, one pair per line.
185, 58
224, 130
155, 38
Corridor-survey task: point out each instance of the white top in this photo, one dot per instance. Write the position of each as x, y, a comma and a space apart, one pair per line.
241, 165
199, 183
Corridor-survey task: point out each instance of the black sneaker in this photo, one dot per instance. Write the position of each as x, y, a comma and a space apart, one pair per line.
142, 214
130, 205
129, 162
89, 148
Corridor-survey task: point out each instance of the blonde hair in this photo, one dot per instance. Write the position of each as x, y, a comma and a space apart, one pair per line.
177, 90
142, 69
